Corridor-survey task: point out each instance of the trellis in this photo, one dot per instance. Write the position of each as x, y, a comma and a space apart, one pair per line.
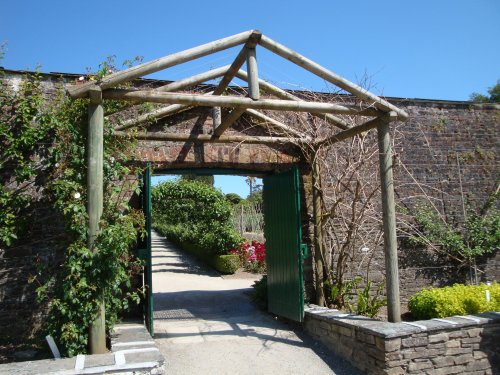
380, 112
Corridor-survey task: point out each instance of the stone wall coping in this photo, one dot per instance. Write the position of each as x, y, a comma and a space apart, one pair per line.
132, 351
395, 330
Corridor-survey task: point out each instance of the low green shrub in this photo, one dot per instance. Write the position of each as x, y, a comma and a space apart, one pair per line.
259, 292
227, 264
458, 299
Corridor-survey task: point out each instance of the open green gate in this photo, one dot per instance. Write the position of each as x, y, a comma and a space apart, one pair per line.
145, 251
284, 249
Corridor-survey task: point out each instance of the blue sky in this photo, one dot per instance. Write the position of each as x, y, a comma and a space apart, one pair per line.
436, 49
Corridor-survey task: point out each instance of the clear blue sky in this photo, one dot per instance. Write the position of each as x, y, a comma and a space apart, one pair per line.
437, 49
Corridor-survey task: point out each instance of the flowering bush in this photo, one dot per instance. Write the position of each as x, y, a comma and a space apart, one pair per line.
252, 255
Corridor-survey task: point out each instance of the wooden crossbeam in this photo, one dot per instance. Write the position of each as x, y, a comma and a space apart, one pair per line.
208, 138
162, 63
280, 93
236, 102
277, 125
329, 76
228, 120
391, 116
194, 80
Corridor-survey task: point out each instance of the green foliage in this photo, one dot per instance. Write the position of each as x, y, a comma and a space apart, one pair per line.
209, 180
191, 211
227, 264
493, 97
40, 138
233, 198
368, 304
478, 235
24, 124
259, 292
454, 300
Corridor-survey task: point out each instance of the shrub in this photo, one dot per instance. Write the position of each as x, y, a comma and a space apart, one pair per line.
227, 264
259, 292
458, 299
191, 211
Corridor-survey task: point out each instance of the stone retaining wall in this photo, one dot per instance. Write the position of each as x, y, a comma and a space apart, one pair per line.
456, 345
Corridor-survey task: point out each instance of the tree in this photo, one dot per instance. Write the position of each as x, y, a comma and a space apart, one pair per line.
209, 179
494, 95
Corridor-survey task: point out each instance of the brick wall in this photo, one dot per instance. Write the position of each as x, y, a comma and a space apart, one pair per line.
437, 133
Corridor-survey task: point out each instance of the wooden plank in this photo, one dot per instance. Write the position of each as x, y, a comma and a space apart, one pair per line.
331, 77
163, 63
389, 220
235, 102
208, 138
280, 93
229, 120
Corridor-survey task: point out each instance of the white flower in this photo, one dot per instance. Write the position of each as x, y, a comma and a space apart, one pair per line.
76, 195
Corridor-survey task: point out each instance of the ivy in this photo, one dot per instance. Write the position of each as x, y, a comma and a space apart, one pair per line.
42, 138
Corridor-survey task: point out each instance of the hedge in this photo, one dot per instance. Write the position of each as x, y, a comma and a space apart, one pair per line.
458, 299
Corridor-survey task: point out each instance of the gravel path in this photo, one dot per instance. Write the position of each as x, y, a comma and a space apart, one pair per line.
206, 324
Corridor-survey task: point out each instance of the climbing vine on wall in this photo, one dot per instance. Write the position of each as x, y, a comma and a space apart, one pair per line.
38, 136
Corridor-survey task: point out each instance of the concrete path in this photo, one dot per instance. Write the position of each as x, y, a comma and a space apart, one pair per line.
207, 324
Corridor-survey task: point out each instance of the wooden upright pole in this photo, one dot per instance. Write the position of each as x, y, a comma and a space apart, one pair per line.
389, 219
253, 75
95, 148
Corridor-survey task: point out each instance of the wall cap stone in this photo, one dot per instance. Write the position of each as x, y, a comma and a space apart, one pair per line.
393, 330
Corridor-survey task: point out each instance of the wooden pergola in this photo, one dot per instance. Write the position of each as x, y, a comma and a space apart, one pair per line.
376, 113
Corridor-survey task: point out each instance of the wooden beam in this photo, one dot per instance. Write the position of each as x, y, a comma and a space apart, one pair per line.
252, 41
275, 124
162, 63
235, 102
153, 116
208, 138
280, 93
253, 75
331, 77
194, 80
371, 124
95, 154
229, 120
389, 220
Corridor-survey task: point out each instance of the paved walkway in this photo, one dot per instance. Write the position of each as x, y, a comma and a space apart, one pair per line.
206, 324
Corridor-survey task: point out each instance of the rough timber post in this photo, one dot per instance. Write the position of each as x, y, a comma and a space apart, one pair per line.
389, 219
97, 333
253, 75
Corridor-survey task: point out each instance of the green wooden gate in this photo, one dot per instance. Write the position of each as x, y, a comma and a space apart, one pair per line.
145, 251
284, 251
